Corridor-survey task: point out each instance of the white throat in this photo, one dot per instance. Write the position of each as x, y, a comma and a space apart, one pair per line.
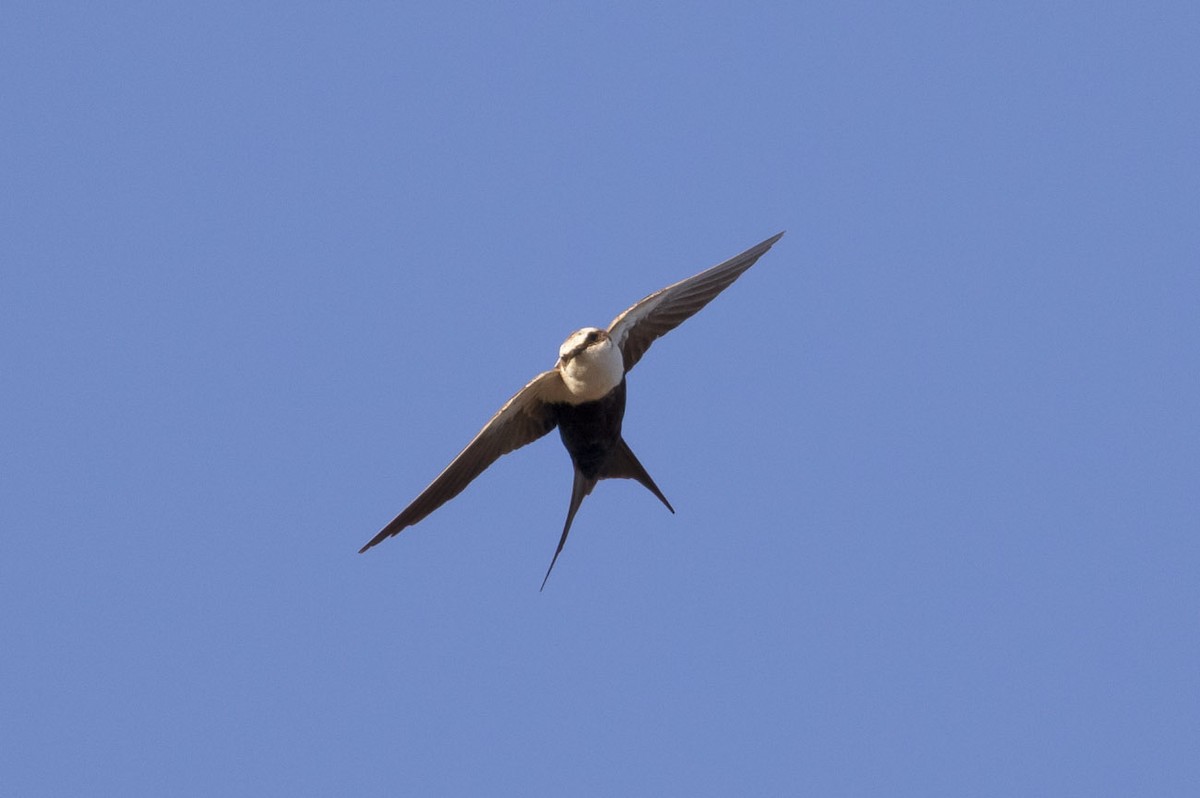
592, 372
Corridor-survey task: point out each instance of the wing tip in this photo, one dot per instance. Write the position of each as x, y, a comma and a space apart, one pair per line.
388, 531
771, 241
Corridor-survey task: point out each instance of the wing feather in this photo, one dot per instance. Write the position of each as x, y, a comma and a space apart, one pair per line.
656, 315
523, 419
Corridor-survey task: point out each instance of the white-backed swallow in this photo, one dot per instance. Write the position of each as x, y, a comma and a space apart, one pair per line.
584, 396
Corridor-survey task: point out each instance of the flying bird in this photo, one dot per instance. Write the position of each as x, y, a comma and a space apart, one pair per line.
584, 396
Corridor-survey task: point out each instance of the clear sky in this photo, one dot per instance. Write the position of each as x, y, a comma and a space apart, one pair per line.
265, 268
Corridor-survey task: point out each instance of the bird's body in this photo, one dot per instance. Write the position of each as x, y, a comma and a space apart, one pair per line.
589, 430
584, 396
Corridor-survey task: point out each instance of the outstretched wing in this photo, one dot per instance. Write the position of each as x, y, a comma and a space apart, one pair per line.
656, 315
523, 419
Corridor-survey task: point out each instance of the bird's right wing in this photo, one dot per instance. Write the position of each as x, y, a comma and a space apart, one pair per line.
523, 419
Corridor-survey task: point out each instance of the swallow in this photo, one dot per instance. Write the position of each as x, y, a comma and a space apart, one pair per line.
584, 396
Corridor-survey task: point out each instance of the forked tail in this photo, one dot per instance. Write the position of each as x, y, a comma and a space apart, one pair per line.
622, 464
581, 487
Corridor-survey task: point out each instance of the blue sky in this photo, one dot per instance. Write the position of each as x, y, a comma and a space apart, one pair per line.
265, 268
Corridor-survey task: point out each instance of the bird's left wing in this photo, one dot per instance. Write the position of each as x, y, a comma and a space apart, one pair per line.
656, 315
523, 419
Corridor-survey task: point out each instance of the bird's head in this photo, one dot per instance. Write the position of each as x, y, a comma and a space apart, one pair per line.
588, 339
